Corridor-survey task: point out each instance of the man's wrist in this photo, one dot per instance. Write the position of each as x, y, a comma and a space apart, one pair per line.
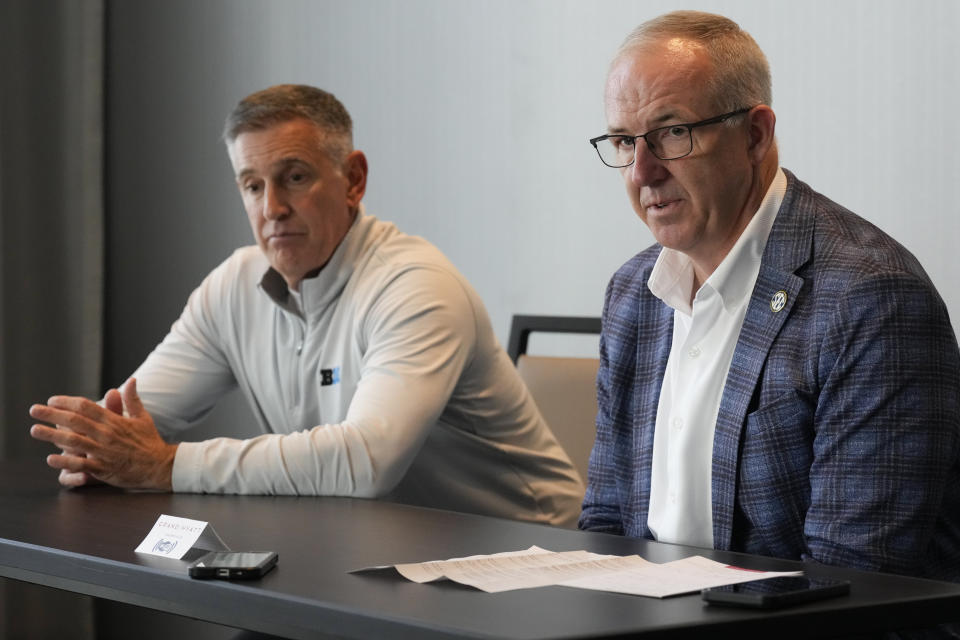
165, 474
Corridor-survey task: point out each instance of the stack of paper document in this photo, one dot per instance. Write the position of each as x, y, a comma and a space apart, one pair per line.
536, 567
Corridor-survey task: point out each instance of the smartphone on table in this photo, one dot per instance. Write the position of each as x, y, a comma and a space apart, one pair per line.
774, 593
233, 565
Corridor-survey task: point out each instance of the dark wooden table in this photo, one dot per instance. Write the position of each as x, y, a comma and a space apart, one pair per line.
83, 541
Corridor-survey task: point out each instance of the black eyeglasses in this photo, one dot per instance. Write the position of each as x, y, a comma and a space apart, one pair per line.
667, 143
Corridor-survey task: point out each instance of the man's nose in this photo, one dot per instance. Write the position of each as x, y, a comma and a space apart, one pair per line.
647, 168
275, 204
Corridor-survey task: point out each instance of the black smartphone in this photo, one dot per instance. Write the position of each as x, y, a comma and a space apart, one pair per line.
773, 593
233, 565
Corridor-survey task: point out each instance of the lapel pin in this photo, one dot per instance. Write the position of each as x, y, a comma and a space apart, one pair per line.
778, 301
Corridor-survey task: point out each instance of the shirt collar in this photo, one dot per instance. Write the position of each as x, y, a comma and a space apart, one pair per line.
671, 279
315, 292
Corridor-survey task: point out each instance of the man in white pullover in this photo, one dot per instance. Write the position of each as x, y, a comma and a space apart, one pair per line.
367, 359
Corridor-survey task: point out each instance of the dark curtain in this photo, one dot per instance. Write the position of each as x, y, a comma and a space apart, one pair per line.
51, 247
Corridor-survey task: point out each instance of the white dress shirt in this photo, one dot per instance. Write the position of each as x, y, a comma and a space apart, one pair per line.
704, 338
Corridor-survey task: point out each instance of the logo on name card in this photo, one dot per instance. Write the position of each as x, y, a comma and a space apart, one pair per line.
329, 376
164, 546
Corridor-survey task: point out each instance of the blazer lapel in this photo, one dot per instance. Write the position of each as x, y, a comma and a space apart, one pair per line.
788, 248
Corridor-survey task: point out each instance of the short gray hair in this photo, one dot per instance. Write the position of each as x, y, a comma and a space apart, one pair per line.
285, 102
741, 76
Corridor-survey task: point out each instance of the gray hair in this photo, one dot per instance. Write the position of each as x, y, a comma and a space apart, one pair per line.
285, 102
741, 76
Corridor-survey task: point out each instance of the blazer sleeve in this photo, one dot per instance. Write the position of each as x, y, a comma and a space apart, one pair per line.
612, 453
886, 425
601, 504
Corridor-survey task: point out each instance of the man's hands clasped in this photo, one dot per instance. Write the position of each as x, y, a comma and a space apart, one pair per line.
101, 443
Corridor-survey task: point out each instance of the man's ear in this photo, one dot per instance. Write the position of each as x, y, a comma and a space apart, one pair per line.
762, 125
355, 170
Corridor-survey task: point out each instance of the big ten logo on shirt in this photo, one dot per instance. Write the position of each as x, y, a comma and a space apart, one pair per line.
329, 376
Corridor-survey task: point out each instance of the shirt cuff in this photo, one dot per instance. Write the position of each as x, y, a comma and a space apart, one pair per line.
186, 468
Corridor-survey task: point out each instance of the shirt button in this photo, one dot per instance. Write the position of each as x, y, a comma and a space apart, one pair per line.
673, 497
677, 424
694, 352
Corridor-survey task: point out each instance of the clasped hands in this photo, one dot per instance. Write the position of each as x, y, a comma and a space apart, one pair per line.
101, 443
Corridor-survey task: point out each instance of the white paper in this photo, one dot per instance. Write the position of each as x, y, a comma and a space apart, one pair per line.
536, 567
173, 537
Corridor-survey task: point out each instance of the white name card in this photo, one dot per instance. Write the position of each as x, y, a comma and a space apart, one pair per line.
173, 537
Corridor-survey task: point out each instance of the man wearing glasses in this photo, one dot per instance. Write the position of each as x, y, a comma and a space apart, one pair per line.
777, 375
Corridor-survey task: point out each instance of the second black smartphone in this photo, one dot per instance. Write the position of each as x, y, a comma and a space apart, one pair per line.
773, 593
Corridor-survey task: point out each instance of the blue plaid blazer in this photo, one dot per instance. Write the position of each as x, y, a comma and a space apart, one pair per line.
838, 433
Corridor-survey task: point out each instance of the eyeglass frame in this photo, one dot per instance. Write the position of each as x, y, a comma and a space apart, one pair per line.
688, 126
